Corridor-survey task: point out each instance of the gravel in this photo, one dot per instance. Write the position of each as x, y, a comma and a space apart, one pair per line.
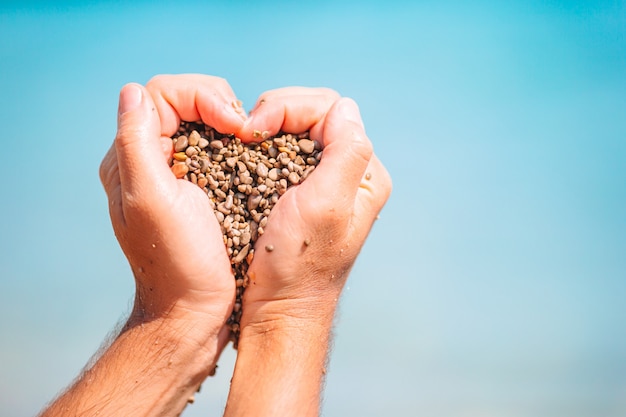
243, 183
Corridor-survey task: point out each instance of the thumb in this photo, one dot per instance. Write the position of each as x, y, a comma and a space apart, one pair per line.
347, 153
138, 146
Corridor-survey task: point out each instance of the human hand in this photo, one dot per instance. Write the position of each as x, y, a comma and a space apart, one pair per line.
165, 226
317, 228
315, 231
184, 285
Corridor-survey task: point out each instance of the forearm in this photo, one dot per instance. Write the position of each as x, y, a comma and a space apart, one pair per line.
280, 367
151, 369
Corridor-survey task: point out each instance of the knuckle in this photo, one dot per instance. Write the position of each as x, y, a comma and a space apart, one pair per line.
328, 92
220, 81
157, 81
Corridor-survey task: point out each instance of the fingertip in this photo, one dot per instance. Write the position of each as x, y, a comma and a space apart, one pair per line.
257, 128
349, 110
137, 148
347, 149
344, 127
224, 113
136, 112
131, 96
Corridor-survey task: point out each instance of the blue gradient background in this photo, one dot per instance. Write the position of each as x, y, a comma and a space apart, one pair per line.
492, 285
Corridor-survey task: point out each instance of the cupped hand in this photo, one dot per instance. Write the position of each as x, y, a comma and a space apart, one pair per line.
165, 226
317, 228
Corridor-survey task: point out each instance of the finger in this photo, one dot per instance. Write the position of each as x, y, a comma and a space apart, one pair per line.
346, 155
195, 97
291, 109
138, 145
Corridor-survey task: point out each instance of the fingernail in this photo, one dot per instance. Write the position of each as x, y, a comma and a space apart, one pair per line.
130, 98
350, 110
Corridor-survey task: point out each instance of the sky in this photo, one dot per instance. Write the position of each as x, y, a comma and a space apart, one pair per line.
493, 283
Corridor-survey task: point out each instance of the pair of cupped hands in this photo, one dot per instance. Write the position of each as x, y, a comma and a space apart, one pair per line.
173, 242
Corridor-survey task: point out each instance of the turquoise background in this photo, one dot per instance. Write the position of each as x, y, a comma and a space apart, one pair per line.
492, 285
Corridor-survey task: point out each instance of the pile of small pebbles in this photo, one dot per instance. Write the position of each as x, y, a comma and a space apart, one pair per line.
243, 183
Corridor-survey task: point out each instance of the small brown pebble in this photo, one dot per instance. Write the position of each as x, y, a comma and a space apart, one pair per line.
194, 138
269, 248
307, 146
368, 176
181, 144
307, 242
253, 201
216, 144
180, 170
191, 151
180, 156
280, 141
231, 162
294, 178
273, 174
261, 170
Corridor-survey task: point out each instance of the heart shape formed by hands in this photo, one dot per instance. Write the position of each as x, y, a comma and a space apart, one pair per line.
317, 228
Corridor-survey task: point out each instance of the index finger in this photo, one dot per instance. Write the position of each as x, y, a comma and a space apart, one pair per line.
291, 110
195, 97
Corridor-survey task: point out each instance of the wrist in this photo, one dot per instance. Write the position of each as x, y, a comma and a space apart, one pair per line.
287, 316
193, 339
281, 362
